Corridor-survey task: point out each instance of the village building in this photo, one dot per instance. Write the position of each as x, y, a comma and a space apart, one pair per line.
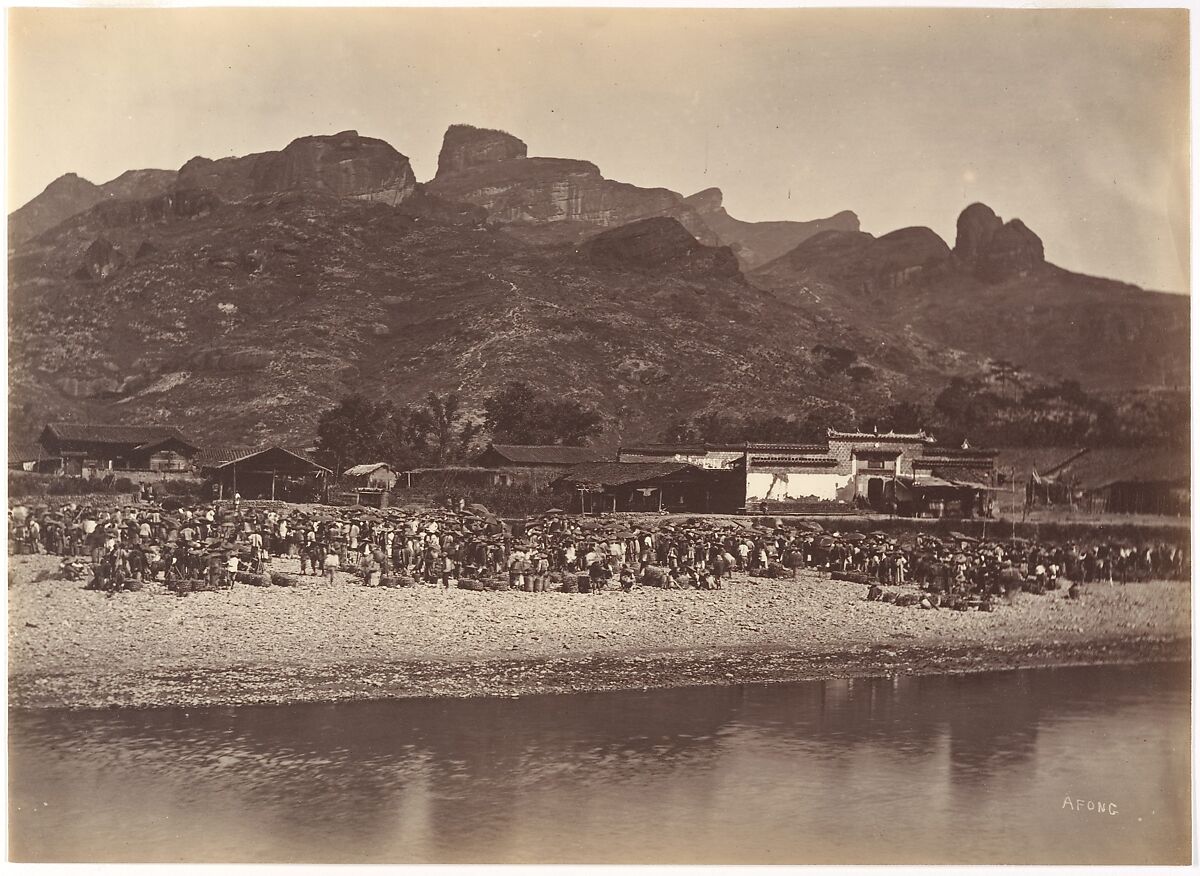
371, 476
32, 458
653, 486
1116, 480
272, 472
903, 473
370, 484
456, 477
140, 453
1020, 475
538, 464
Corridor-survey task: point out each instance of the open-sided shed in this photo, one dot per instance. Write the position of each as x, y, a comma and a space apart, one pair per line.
271, 473
652, 486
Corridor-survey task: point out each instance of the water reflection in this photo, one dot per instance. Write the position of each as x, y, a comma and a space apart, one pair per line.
798, 772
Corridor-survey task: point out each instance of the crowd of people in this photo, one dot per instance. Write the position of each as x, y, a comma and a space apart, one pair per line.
125, 546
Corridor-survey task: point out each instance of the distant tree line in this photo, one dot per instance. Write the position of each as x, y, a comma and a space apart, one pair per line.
1002, 409
440, 431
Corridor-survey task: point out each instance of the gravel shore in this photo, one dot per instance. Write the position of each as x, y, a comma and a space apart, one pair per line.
74, 648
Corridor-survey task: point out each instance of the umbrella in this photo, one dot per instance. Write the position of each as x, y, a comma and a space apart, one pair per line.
550, 511
854, 536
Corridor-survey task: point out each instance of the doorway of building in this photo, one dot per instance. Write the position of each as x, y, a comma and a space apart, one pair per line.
875, 492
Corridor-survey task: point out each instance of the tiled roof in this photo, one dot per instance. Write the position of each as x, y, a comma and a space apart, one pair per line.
550, 454
103, 433
26, 452
615, 474
358, 471
214, 457
700, 449
819, 461
210, 457
835, 435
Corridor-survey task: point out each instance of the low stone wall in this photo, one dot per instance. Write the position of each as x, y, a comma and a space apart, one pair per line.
157, 477
96, 499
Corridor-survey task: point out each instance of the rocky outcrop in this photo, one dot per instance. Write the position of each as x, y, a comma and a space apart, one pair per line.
465, 146
858, 261
176, 204
229, 360
995, 250
88, 387
546, 200
660, 245
344, 165
101, 261
551, 190
756, 243
901, 256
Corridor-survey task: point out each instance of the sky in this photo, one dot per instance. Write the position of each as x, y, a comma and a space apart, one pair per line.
1075, 121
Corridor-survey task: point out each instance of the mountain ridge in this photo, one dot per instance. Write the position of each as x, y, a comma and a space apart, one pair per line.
251, 293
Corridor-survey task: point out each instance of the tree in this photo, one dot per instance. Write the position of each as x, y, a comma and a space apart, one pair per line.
520, 414
1007, 374
358, 430
352, 432
448, 438
906, 416
680, 432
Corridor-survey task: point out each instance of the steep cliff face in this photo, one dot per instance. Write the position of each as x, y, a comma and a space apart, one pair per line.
547, 200
756, 243
465, 146
560, 200
344, 165
549, 190
995, 250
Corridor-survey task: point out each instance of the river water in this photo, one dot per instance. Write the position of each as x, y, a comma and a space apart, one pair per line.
975, 768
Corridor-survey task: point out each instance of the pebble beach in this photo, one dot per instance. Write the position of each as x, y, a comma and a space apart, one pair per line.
75, 648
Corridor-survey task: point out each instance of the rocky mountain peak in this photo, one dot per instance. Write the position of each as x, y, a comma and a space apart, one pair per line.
345, 165
660, 244
69, 184
465, 146
995, 250
706, 201
63, 198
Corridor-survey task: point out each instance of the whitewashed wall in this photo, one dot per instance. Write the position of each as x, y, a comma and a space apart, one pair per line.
782, 485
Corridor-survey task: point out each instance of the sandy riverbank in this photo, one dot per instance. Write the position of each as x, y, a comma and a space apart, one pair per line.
78, 649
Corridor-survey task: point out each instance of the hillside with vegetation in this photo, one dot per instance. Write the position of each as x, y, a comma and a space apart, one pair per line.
253, 295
